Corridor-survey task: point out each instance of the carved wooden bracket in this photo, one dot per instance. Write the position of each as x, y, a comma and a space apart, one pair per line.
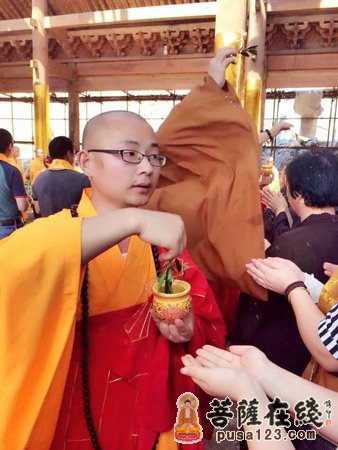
70, 44
271, 30
94, 44
52, 48
295, 33
328, 32
147, 42
119, 42
5, 51
174, 40
24, 48
203, 39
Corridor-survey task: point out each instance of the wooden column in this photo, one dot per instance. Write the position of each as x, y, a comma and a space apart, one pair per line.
255, 68
74, 110
230, 31
39, 64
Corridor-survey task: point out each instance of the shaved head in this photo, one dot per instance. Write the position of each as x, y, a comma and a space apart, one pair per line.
105, 123
15, 151
116, 182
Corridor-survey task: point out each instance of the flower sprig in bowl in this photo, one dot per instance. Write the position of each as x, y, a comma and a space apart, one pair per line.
166, 278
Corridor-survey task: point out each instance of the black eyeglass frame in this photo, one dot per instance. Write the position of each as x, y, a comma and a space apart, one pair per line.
121, 153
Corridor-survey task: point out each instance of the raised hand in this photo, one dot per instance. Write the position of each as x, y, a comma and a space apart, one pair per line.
280, 126
163, 229
217, 65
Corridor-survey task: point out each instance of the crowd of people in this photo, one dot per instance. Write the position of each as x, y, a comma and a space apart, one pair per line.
85, 362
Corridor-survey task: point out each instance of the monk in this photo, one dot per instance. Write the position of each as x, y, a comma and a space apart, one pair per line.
15, 161
37, 341
211, 181
95, 374
212, 176
36, 165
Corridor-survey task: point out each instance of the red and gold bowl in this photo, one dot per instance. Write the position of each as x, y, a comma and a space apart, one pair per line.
169, 307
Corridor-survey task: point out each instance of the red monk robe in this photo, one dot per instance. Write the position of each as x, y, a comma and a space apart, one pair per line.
211, 181
133, 370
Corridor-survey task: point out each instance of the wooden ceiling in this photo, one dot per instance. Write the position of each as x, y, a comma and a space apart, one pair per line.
15, 9
162, 44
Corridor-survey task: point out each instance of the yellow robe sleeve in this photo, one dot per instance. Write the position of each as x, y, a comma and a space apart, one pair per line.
39, 284
211, 180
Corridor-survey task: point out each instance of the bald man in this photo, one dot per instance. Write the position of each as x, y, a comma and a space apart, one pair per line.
112, 379
36, 165
14, 159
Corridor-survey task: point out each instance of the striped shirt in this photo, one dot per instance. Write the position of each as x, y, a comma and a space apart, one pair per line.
328, 331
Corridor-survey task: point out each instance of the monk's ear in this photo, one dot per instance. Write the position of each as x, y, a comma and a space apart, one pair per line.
85, 162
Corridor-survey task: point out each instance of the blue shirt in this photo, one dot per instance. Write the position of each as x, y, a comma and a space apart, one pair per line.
11, 186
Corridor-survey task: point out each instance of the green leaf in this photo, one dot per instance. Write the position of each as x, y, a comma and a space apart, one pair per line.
168, 281
161, 278
252, 50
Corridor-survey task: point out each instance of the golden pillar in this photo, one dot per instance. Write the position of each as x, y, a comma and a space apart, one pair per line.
39, 65
253, 96
255, 67
73, 112
230, 31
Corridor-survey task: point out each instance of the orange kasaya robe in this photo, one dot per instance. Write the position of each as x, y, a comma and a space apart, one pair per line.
38, 299
211, 180
16, 163
133, 370
35, 167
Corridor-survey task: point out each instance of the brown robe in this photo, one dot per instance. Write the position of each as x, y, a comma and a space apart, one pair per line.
211, 180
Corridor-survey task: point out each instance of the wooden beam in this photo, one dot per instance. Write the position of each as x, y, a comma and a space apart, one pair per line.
140, 82
300, 6
16, 37
15, 72
59, 34
323, 61
205, 10
59, 70
321, 15
302, 78
25, 85
146, 66
15, 25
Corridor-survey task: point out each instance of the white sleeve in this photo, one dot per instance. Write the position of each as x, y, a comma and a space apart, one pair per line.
313, 286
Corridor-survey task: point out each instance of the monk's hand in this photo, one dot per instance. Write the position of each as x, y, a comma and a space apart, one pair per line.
180, 331
217, 65
163, 229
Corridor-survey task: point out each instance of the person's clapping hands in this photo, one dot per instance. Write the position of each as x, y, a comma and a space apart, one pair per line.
275, 274
275, 201
233, 373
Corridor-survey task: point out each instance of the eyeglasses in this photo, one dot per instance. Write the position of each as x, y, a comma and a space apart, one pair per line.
135, 157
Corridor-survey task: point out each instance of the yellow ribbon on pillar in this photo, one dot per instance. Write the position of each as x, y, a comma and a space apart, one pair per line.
41, 116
